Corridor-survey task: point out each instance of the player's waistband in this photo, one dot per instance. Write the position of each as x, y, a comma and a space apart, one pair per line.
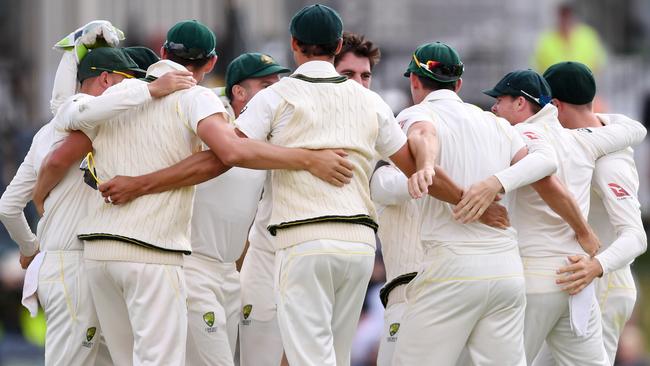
211, 263
394, 291
437, 247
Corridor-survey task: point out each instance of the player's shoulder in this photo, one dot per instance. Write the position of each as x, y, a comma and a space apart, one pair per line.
123, 85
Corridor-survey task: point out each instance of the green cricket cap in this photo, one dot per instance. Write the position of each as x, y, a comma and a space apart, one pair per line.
190, 40
437, 61
571, 82
524, 83
251, 65
316, 24
142, 56
108, 59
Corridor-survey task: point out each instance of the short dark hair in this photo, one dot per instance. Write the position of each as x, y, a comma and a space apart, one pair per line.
534, 107
360, 46
195, 64
318, 49
432, 85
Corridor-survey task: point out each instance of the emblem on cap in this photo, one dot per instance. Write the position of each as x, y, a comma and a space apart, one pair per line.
266, 59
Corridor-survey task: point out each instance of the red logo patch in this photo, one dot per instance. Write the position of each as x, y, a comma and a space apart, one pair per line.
531, 135
618, 191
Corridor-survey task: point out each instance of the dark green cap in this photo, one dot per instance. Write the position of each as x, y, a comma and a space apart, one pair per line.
524, 83
190, 40
571, 82
316, 24
251, 65
436, 61
107, 59
142, 56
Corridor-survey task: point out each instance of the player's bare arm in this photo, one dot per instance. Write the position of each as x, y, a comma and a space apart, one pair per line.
424, 146
560, 200
195, 169
57, 163
233, 149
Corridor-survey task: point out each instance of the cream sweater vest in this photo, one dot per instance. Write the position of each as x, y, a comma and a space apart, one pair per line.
139, 141
325, 115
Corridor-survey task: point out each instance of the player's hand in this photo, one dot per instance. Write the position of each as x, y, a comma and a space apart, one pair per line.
330, 166
496, 216
171, 82
420, 181
579, 273
589, 242
121, 189
477, 199
25, 261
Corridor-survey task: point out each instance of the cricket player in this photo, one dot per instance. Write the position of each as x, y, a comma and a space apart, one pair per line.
224, 208
614, 209
260, 339
143, 241
73, 331
470, 286
570, 325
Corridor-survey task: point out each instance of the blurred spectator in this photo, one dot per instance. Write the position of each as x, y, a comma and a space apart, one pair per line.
571, 40
631, 349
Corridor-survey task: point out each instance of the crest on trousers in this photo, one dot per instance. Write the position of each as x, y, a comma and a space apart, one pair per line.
246, 311
90, 333
208, 318
393, 329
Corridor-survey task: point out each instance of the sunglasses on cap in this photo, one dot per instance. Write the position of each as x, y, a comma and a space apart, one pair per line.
181, 51
113, 71
542, 100
438, 68
90, 173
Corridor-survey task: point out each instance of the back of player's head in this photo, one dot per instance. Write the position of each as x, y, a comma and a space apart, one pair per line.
523, 83
317, 29
360, 47
190, 42
251, 65
142, 56
437, 65
107, 59
571, 82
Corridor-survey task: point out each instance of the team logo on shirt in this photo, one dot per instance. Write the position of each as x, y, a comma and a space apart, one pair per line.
585, 129
618, 191
392, 330
246, 312
208, 318
90, 334
531, 135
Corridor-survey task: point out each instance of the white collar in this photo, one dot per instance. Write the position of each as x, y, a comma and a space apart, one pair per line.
317, 69
441, 94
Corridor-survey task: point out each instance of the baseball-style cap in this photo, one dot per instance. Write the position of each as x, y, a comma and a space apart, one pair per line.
251, 65
316, 24
524, 83
190, 40
108, 59
571, 82
436, 61
142, 56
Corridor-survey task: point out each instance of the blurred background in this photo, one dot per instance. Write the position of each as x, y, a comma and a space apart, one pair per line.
493, 37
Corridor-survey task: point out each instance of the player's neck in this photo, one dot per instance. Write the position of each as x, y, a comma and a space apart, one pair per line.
580, 118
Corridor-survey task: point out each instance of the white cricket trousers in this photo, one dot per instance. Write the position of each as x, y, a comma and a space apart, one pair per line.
142, 310
320, 286
464, 300
73, 335
213, 304
260, 343
392, 323
548, 318
616, 294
